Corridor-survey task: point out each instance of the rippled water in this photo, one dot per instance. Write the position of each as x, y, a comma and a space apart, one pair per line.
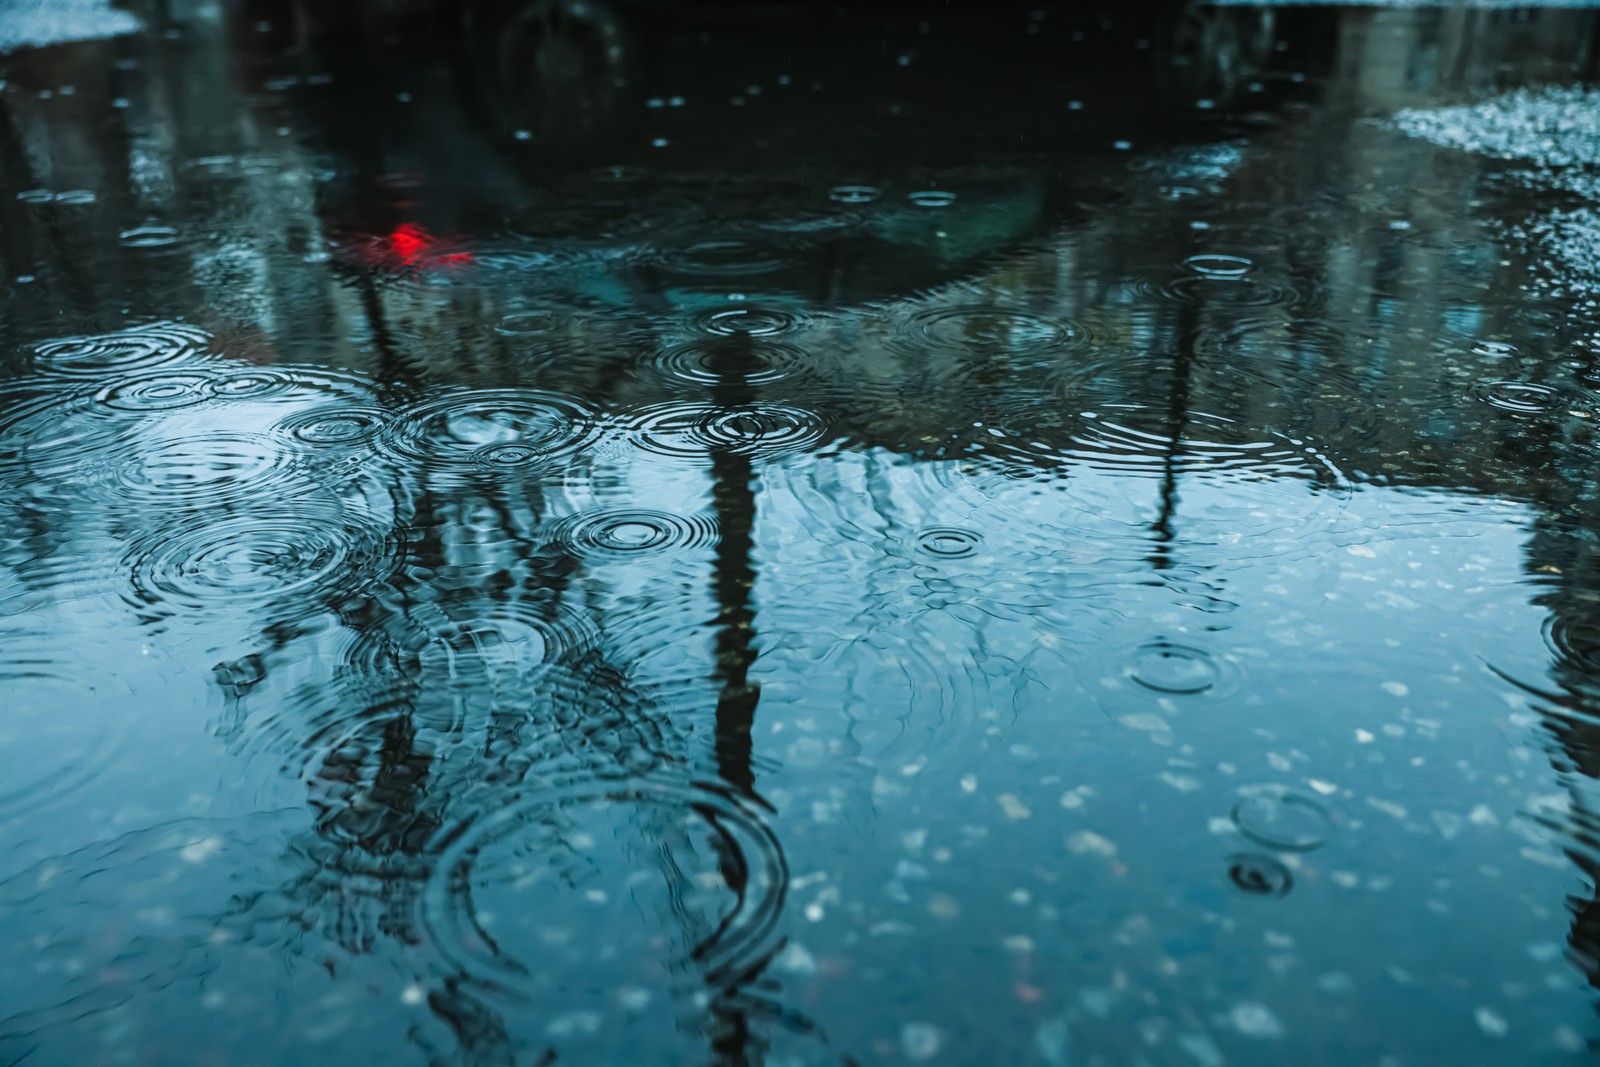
561, 533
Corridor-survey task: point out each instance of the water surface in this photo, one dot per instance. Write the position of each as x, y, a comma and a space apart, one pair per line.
696, 535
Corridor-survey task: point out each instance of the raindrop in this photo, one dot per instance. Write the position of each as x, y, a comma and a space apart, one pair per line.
1172, 668
988, 328
492, 429
205, 468
626, 532
135, 348
526, 323
46, 430
1522, 398
704, 363
476, 637
282, 560
750, 321
487, 906
249, 384
725, 258
1223, 283
336, 424
1282, 818
1494, 350
854, 194
156, 391
948, 542
1135, 439
695, 431
150, 236
1216, 265
1259, 875
932, 198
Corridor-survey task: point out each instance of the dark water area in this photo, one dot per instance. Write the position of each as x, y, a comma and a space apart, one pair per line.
561, 533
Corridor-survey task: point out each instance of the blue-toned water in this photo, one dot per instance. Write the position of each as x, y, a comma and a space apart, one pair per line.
570, 533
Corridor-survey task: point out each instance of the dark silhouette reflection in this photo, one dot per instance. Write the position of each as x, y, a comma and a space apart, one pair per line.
1163, 528
1563, 563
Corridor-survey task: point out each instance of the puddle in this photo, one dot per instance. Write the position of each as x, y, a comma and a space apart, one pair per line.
605, 533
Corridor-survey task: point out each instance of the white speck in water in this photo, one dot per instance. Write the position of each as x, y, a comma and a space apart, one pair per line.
796, 959
1146, 722
1254, 1019
921, 1041
574, 1024
1201, 1049
1053, 1042
1491, 1022
412, 994
1014, 808
1087, 842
